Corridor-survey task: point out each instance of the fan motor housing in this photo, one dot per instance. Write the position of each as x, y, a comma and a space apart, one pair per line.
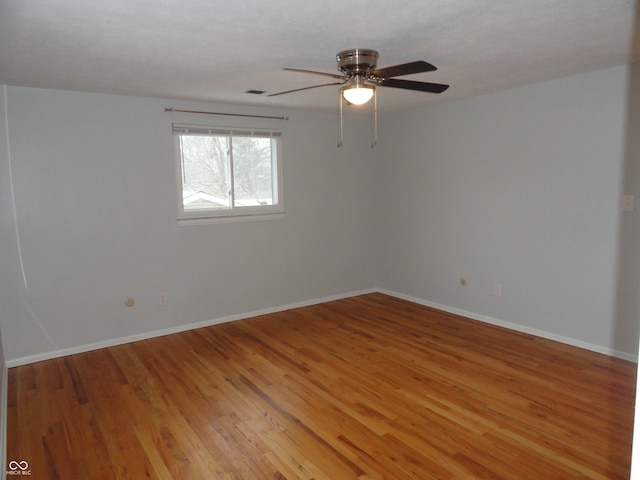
357, 60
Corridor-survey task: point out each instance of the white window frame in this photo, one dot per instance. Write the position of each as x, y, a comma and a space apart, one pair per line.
233, 213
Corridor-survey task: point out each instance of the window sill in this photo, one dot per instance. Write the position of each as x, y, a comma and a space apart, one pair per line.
229, 219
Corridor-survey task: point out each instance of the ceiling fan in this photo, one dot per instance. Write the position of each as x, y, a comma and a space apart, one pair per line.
359, 72
360, 77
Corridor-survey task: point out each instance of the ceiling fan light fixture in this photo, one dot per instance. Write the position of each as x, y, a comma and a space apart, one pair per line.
357, 92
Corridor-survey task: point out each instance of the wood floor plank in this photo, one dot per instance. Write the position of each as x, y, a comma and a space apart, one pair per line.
369, 388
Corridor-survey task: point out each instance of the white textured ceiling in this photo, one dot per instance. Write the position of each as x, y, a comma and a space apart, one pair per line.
217, 50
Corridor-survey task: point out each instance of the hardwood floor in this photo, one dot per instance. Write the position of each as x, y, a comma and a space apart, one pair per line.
370, 387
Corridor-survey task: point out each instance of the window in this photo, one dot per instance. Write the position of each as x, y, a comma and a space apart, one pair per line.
227, 174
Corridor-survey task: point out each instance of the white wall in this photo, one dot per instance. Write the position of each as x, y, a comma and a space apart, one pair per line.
10, 277
629, 259
95, 195
520, 188
628, 285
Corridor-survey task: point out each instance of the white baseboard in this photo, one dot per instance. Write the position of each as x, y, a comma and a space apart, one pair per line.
15, 362
514, 326
207, 323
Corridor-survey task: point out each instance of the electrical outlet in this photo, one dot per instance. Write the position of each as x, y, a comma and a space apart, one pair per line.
164, 299
497, 290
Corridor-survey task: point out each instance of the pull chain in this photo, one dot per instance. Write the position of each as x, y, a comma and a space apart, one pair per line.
375, 119
341, 134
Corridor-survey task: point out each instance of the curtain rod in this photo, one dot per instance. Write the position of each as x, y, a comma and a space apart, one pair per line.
226, 114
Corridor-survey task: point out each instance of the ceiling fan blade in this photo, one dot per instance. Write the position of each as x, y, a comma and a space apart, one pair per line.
411, 85
307, 88
418, 66
332, 75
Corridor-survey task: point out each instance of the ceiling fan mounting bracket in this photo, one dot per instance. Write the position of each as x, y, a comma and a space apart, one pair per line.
357, 61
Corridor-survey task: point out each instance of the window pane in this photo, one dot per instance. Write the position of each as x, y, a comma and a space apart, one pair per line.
205, 172
253, 175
